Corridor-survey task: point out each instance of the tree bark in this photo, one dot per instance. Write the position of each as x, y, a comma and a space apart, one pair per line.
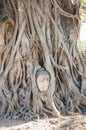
41, 34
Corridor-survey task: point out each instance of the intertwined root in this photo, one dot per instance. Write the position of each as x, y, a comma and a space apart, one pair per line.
41, 33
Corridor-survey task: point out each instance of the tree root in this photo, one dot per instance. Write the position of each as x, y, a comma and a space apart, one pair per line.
36, 37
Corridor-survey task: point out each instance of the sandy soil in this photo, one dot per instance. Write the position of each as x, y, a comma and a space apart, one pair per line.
74, 122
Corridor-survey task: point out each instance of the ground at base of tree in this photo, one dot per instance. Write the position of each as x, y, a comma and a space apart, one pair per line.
74, 122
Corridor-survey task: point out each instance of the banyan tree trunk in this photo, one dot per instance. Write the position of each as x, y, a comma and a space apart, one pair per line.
39, 40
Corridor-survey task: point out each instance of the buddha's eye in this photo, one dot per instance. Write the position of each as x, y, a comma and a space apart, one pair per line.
41, 80
47, 79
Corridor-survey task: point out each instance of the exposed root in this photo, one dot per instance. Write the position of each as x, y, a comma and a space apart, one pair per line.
41, 34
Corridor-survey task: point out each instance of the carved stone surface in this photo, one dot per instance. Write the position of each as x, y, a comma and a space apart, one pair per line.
42, 79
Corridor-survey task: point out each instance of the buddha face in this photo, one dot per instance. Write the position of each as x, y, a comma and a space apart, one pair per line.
43, 80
